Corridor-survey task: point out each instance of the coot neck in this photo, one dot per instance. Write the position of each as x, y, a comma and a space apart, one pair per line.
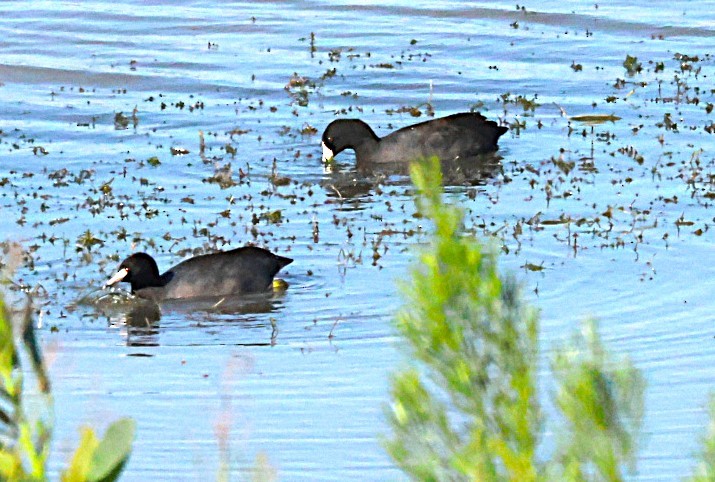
367, 145
151, 281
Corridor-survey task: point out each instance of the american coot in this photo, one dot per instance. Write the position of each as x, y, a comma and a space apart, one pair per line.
239, 271
458, 136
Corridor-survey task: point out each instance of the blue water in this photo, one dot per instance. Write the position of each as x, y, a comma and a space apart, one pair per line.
305, 380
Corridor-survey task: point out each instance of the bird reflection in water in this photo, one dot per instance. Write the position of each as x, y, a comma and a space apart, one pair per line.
142, 321
350, 184
142, 324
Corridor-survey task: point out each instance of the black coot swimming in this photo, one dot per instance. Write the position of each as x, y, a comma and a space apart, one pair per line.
239, 271
458, 136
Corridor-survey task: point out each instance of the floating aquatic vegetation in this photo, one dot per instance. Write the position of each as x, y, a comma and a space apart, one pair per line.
121, 121
520, 100
299, 89
414, 111
223, 176
595, 118
632, 65
179, 151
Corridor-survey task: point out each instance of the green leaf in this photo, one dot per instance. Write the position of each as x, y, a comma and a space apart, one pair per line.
10, 465
82, 458
113, 451
705, 468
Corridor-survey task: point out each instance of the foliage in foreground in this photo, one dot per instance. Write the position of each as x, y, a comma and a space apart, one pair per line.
469, 409
705, 468
25, 433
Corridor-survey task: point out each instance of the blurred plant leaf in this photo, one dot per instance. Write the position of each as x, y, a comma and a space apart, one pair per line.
10, 465
82, 458
601, 400
112, 452
705, 467
9, 392
33, 350
263, 470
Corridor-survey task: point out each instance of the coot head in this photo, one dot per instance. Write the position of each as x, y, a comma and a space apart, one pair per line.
139, 270
344, 134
